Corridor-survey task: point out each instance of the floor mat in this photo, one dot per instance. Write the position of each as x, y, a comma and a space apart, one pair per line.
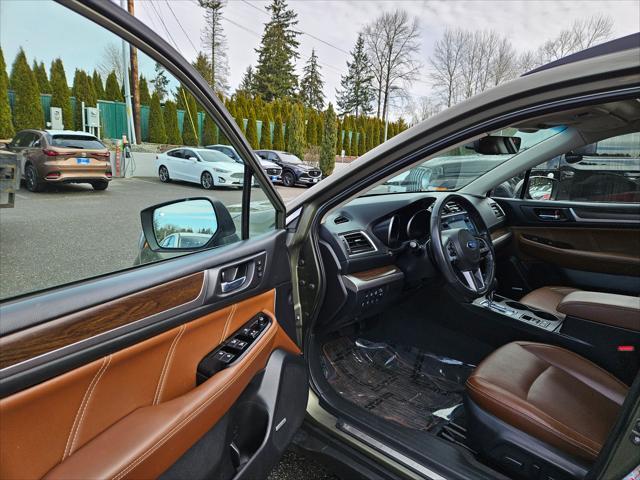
405, 385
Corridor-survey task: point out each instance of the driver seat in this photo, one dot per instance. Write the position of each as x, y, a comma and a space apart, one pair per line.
539, 409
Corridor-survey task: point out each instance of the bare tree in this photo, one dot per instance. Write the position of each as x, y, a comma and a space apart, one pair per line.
392, 42
447, 64
215, 43
112, 61
582, 34
421, 108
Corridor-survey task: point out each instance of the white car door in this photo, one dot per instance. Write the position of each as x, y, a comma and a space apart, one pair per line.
191, 168
172, 159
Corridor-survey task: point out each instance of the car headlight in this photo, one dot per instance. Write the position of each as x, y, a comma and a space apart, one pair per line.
220, 170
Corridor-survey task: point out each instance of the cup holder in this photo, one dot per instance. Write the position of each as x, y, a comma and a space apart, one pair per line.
537, 313
249, 427
544, 315
518, 305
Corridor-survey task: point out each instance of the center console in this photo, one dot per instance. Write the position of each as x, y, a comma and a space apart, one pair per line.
520, 311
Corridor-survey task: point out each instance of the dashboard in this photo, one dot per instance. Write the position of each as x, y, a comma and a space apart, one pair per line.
376, 247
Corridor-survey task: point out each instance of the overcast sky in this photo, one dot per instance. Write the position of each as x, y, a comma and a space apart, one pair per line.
47, 30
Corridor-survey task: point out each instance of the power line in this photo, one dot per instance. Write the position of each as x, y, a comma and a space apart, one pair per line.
153, 5
301, 31
180, 25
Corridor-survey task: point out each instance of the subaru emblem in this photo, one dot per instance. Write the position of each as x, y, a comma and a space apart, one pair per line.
472, 244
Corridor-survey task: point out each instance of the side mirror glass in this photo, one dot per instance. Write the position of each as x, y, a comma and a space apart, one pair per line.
542, 188
193, 159
187, 225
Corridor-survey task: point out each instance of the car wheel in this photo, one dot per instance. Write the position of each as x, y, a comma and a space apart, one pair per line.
100, 185
163, 173
288, 180
206, 180
31, 179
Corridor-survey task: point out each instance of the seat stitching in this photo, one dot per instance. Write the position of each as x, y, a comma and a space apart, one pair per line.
167, 362
80, 407
573, 441
88, 401
179, 425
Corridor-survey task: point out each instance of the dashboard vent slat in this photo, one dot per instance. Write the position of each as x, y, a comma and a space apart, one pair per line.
357, 242
340, 219
452, 207
497, 209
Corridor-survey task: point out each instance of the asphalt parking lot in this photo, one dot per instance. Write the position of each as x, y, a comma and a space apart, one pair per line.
70, 232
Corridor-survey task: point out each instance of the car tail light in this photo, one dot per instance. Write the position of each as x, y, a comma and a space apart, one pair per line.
109, 174
49, 153
101, 154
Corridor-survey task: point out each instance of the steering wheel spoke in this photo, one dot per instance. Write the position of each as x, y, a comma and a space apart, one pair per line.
474, 279
484, 247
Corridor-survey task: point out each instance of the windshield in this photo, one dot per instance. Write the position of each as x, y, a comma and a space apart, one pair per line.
215, 156
77, 141
289, 158
459, 166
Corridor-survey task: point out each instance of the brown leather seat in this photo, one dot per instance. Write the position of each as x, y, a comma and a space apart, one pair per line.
551, 394
547, 298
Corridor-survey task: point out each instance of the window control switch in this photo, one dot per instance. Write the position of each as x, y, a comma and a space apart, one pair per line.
237, 344
224, 357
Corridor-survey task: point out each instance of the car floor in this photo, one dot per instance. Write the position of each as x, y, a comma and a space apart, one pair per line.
406, 385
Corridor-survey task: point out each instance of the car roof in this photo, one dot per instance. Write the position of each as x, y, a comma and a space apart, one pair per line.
612, 46
219, 145
68, 132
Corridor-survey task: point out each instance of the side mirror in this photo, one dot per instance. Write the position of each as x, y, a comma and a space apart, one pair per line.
542, 188
187, 225
193, 159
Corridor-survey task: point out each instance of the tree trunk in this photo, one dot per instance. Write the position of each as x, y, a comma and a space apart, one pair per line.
135, 91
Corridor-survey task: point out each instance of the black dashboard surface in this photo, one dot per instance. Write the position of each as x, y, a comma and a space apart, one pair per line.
389, 222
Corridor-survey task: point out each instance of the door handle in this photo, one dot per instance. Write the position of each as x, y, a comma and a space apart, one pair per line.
233, 284
551, 214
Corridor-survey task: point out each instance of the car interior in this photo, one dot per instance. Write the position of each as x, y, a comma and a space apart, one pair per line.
499, 332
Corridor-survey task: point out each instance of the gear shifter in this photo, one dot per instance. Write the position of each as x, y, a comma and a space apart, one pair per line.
491, 292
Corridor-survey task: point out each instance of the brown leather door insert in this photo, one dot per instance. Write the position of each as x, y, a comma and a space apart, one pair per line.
133, 413
609, 250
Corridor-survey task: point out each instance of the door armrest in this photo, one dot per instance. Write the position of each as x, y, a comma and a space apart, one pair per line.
617, 310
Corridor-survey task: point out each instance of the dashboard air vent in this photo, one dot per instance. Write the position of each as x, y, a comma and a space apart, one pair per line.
497, 209
357, 242
340, 219
452, 207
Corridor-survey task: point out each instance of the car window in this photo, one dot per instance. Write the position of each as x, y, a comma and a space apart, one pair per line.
76, 141
214, 156
82, 227
169, 241
187, 154
607, 171
35, 141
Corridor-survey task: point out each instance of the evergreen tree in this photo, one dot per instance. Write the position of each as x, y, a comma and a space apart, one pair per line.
203, 66
209, 131
190, 120
161, 82
329, 138
347, 144
240, 122
6, 125
143, 89
215, 43
171, 123
369, 134
60, 93
311, 84
41, 76
98, 87
27, 109
275, 72
252, 130
278, 137
157, 130
295, 132
248, 83
362, 142
265, 134
353, 145
311, 132
319, 128
83, 92
356, 93
112, 89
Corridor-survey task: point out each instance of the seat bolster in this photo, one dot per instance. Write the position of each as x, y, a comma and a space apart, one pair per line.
547, 298
524, 416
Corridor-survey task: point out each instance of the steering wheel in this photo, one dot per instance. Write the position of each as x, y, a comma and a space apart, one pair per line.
466, 259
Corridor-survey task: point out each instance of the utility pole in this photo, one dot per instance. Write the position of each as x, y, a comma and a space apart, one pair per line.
131, 133
135, 92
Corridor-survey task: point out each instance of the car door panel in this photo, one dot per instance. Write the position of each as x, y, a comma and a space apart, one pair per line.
117, 395
587, 245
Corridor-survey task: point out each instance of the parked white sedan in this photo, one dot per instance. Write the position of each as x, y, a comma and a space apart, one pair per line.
209, 168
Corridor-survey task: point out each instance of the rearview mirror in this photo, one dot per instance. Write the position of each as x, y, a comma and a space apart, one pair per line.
542, 188
496, 145
187, 225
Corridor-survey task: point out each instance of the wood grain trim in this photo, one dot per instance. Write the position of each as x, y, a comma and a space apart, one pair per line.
63, 331
374, 273
498, 233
